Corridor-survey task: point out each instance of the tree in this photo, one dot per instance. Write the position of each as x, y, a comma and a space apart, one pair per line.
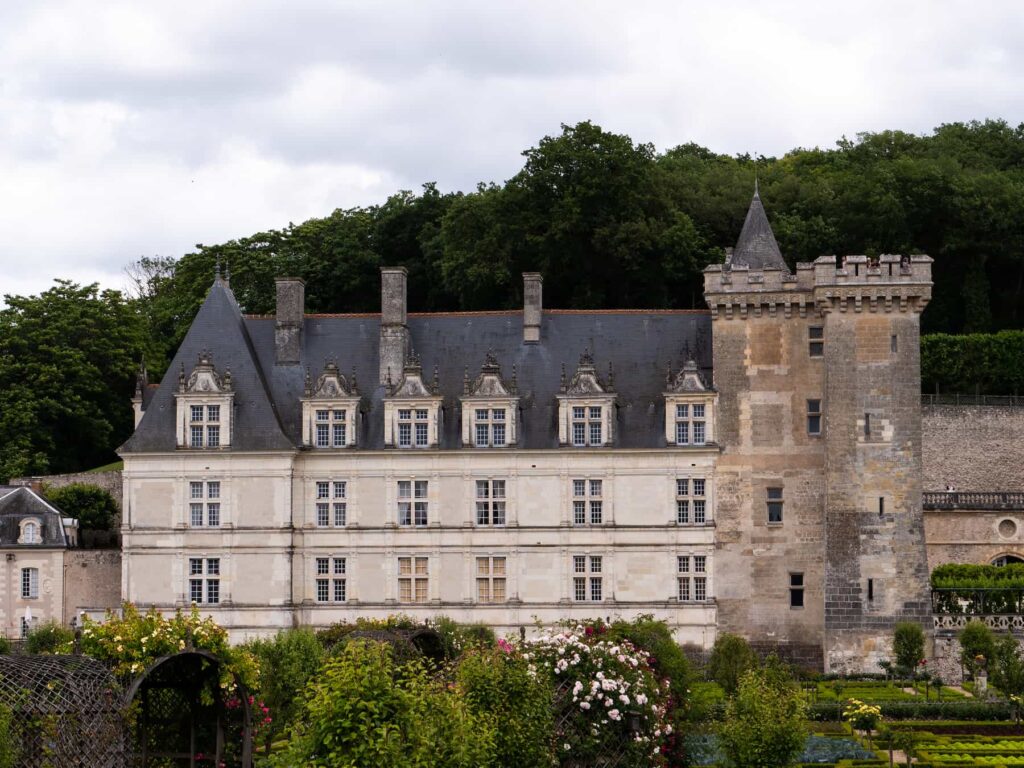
287, 663
364, 711
977, 646
67, 372
498, 684
93, 507
908, 645
731, 657
764, 723
1008, 667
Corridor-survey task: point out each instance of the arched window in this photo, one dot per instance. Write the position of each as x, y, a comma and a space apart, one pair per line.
30, 532
1007, 560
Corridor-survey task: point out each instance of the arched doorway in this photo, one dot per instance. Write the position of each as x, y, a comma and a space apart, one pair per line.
1008, 559
185, 719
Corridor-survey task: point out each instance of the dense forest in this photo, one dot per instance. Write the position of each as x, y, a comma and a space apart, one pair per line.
609, 222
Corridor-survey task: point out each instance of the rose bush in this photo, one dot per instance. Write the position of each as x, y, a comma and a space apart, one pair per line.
609, 698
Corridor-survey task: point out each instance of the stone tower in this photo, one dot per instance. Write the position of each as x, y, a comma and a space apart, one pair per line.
820, 545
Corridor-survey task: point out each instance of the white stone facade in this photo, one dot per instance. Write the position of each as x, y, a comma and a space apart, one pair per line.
271, 535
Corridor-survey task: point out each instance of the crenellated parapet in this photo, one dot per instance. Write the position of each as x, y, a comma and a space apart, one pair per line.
856, 283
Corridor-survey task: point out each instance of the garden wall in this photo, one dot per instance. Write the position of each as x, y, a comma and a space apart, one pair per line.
972, 447
92, 580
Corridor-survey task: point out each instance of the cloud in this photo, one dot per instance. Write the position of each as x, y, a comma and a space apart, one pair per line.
131, 129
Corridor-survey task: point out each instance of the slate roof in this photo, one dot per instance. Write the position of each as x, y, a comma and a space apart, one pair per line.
640, 345
756, 247
18, 503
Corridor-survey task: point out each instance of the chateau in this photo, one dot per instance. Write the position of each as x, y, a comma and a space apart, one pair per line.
753, 468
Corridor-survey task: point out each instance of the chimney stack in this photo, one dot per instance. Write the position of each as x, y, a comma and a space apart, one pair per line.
394, 333
291, 309
533, 289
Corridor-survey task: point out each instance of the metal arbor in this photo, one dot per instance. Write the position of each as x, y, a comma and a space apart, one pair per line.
66, 711
186, 719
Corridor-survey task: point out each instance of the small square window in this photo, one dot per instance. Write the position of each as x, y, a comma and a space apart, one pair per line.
213, 413
197, 413
578, 412
682, 411
323, 415
404, 414
595, 412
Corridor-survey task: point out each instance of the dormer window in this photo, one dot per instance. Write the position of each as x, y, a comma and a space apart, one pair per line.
586, 407
204, 402
587, 425
412, 409
31, 532
489, 407
413, 427
688, 408
330, 407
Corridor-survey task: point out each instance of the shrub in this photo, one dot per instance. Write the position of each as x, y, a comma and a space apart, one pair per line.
601, 685
94, 507
456, 638
132, 641
287, 662
5, 646
976, 642
731, 656
764, 723
8, 745
966, 710
908, 644
961, 363
49, 637
364, 710
498, 684
1008, 666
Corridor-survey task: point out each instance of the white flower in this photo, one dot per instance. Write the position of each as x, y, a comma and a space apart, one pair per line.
614, 714
584, 705
624, 699
566, 747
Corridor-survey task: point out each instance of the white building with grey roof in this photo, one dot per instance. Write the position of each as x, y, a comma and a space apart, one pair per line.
752, 467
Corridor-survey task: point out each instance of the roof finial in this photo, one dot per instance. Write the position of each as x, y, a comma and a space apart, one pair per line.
355, 384
515, 383
561, 382
437, 383
465, 380
757, 192
216, 269
227, 273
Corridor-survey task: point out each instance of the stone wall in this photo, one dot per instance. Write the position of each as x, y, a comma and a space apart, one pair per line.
109, 481
92, 580
973, 447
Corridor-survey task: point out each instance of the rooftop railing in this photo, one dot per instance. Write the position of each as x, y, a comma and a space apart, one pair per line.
998, 400
973, 499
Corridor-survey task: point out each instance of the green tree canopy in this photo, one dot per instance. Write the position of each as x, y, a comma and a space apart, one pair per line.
93, 507
67, 362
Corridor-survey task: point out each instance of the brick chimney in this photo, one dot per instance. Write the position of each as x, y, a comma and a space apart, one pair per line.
533, 290
291, 308
394, 333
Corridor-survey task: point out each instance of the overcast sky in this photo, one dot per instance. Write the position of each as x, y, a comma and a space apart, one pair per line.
140, 128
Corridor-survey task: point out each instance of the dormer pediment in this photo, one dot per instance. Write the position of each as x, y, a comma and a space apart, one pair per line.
586, 381
331, 384
489, 384
412, 385
688, 379
204, 378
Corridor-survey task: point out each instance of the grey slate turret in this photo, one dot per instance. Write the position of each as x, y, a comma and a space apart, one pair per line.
756, 247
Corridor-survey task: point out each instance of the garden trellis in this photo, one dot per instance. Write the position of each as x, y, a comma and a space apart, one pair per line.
67, 711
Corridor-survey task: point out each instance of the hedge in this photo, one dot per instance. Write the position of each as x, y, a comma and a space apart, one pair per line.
992, 363
922, 710
967, 576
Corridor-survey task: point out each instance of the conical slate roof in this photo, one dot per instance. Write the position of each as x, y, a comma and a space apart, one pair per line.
220, 331
756, 247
